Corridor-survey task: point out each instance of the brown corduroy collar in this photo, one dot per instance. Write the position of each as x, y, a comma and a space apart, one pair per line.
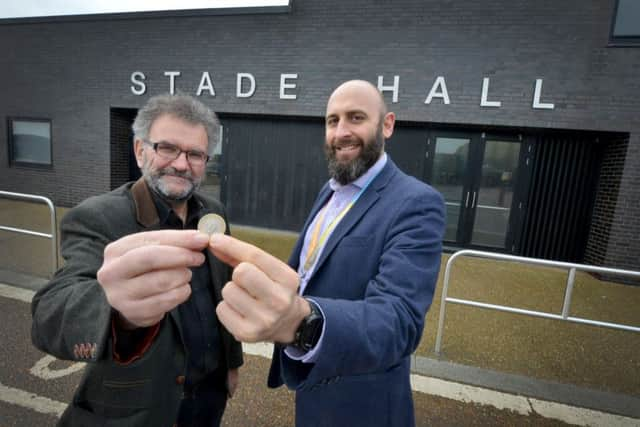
146, 212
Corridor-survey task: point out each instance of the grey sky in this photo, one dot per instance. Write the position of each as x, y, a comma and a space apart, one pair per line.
35, 8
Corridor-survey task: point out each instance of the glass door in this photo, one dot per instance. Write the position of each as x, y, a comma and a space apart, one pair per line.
449, 175
477, 177
493, 195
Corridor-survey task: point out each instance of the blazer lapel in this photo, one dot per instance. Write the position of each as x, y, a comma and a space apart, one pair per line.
321, 200
146, 212
348, 221
368, 199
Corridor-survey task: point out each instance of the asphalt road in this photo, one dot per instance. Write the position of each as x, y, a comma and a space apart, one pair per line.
34, 386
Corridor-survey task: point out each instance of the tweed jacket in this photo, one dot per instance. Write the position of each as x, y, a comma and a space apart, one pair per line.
72, 318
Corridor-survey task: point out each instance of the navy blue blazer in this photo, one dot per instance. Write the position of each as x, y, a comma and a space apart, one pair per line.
374, 282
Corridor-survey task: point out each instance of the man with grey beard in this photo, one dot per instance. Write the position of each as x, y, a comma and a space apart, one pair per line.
349, 310
137, 295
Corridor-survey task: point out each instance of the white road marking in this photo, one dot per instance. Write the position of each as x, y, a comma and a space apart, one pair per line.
32, 401
41, 368
422, 384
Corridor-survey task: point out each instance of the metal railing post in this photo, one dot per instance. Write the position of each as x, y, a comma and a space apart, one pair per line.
566, 306
54, 224
445, 290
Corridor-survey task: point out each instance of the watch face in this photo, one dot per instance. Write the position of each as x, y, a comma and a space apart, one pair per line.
310, 329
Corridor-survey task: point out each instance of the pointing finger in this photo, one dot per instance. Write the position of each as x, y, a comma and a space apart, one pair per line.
233, 252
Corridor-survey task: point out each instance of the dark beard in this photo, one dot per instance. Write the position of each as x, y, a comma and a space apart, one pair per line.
344, 173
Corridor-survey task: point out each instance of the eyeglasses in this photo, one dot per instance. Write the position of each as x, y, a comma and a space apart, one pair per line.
171, 152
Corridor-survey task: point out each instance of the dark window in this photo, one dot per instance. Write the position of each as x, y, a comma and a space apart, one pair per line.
625, 29
30, 142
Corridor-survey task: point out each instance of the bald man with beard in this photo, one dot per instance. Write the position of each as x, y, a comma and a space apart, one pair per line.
349, 309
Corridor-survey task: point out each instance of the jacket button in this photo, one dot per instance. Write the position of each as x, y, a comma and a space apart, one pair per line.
180, 379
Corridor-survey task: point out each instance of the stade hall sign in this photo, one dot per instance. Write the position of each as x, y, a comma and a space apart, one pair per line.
246, 88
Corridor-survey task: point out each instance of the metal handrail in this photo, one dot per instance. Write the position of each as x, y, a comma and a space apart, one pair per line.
54, 225
535, 261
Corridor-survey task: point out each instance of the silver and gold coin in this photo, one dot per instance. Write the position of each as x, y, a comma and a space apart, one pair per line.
211, 223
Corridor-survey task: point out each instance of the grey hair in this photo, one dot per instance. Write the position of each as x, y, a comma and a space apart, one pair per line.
181, 106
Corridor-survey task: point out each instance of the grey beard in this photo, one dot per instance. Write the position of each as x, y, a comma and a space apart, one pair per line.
154, 182
344, 173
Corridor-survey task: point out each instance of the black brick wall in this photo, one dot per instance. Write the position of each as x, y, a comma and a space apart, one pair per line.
604, 210
74, 72
623, 250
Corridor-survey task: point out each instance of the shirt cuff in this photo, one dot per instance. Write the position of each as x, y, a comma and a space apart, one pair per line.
310, 356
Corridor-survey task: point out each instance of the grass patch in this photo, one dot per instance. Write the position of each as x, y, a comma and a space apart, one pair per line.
278, 244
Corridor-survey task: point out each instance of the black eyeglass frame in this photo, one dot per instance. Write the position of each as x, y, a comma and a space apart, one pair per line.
179, 151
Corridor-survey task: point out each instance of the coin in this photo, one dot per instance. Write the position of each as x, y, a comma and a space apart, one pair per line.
211, 223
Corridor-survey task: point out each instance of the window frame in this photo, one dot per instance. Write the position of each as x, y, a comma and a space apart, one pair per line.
11, 143
621, 41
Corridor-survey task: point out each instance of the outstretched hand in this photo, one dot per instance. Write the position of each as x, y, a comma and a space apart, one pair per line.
261, 302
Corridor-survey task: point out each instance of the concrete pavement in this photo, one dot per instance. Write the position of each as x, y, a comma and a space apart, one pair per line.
37, 387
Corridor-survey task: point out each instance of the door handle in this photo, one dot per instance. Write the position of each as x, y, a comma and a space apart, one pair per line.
466, 201
473, 202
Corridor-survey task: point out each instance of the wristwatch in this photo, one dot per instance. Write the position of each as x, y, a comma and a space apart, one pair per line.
308, 333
